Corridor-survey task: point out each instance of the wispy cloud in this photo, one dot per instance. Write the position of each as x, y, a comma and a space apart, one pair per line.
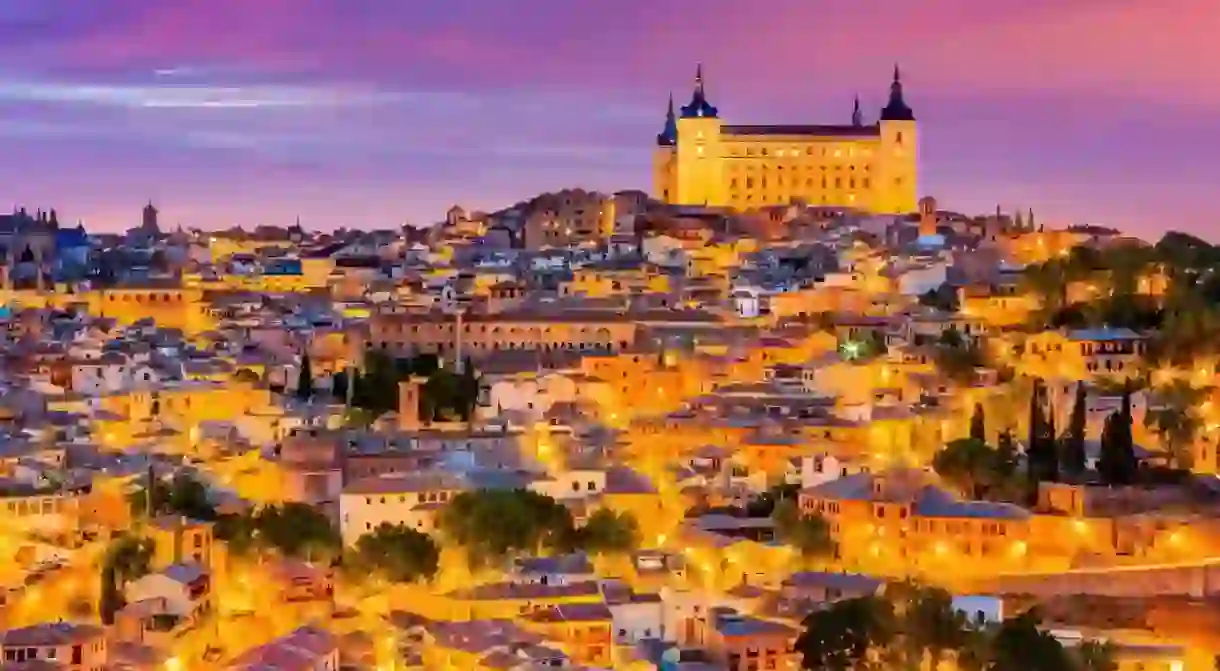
196, 96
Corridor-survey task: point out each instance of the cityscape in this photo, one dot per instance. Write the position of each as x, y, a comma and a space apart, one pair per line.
770, 404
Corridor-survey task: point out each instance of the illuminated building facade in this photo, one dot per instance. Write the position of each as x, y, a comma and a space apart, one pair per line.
701, 160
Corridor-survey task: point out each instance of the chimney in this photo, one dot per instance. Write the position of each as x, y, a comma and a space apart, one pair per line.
409, 397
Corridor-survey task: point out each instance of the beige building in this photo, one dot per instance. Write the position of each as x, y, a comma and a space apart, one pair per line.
701, 160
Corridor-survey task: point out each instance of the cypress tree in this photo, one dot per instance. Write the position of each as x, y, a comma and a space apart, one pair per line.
1049, 449
1117, 464
978, 424
1032, 442
305, 379
1073, 443
110, 601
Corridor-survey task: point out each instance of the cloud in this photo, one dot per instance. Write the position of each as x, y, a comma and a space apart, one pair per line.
206, 97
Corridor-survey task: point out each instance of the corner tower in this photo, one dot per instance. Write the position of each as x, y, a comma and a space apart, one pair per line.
899, 153
699, 175
664, 158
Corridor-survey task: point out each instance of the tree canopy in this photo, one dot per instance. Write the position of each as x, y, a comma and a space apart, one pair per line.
842, 636
495, 524
1175, 419
293, 529
182, 495
910, 627
127, 558
975, 468
608, 532
445, 395
398, 552
1182, 319
810, 534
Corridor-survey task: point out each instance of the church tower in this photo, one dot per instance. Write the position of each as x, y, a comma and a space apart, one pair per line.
900, 148
149, 222
699, 151
664, 158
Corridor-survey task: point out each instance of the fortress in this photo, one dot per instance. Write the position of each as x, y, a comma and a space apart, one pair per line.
701, 160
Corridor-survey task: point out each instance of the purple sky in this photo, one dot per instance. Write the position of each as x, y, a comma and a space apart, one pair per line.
379, 112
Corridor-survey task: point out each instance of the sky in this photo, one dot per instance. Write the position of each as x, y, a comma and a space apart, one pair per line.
376, 113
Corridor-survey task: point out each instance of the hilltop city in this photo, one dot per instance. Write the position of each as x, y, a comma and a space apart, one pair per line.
784, 411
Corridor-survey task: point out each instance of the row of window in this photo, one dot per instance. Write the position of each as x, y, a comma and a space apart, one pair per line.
781, 152
496, 330
145, 298
442, 347
736, 166
955, 527
423, 497
43, 507
838, 182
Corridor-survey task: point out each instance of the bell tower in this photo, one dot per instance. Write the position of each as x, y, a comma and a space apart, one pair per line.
700, 180
899, 153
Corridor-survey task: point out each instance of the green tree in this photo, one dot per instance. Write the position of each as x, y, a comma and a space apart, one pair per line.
338, 385
978, 424
297, 530
1096, 656
237, 530
942, 298
1176, 421
1073, 443
607, 532
183, 495
376, 385
1020, 645
127, 558
1041, 453
304, 390
1117, 464
1006, 453
130, 557
495, 524
110, 599
400, 553
842, 636
931, 626
951, 337
764, 504
810, 534
970, 465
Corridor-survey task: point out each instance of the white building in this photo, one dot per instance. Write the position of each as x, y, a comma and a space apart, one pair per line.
410, 499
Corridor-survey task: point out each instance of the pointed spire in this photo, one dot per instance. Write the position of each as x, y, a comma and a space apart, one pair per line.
699, 106
857, 118
896, 109
668, 136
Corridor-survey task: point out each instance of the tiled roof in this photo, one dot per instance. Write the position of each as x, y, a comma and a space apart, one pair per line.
816, 130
